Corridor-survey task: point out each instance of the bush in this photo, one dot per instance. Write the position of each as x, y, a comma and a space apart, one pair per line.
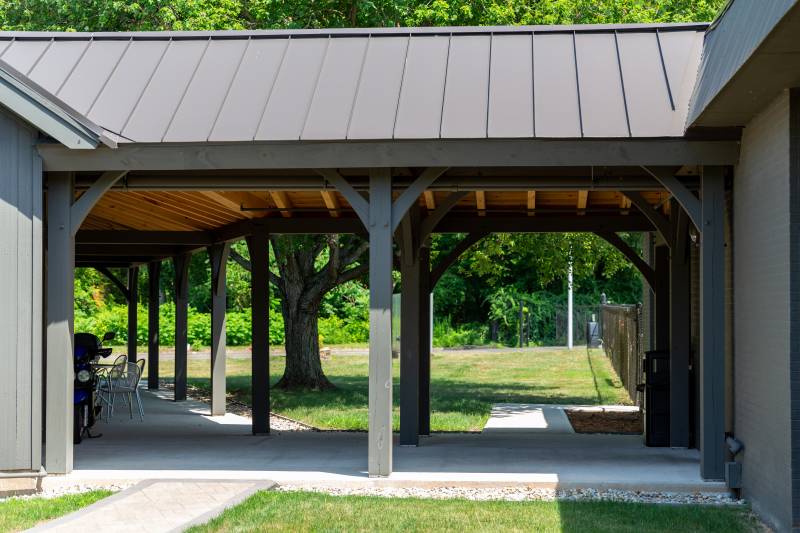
445, 335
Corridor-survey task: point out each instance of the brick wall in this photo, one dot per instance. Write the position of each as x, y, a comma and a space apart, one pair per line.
762, 311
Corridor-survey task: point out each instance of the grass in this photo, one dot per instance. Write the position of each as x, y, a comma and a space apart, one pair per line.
298, 512
17, 514
464, 386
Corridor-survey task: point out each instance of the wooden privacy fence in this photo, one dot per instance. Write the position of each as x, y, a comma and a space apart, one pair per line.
620, 329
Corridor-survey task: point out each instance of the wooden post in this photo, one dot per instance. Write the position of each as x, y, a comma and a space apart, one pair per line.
424, 342
258, 244
380, 323
680, 333
133, 309
60, 311
181, 323
153, 279
411, 303
218, 257
712, 325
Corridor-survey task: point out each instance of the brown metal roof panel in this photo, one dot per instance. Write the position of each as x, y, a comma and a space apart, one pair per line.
91, 74
122, 90
378, 93
163, 94
248, 94
204, 97
294, 87
57, 63
556, 106
511, 87
332, 104
23, 55
466, 95
646, 88
419, 111
602, 103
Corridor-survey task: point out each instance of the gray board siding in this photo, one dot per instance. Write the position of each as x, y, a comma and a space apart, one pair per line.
21, 294
729, 43
470, 83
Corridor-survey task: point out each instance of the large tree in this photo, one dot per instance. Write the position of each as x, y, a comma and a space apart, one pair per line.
308, 267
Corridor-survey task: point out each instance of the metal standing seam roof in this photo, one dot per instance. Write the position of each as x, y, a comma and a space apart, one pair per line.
374, 84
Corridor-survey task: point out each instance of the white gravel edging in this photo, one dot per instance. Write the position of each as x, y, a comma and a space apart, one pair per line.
524, 494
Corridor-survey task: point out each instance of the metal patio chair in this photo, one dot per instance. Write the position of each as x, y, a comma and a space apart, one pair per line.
123, 379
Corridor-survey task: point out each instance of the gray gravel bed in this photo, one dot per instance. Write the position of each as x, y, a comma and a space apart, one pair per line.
525, 494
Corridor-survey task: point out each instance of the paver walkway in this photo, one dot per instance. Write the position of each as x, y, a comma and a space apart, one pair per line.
520, 418
158, 505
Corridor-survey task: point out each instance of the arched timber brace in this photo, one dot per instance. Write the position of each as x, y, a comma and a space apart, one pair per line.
218, 257
659, 221
685, 197
123, 288
641, 265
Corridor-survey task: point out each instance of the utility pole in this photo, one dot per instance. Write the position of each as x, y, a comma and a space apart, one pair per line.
569, 305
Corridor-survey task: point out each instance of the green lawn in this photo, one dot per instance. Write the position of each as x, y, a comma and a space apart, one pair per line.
298, 512
463, 388
18, 514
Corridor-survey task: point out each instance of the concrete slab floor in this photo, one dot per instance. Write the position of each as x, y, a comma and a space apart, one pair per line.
179, 440
527, 418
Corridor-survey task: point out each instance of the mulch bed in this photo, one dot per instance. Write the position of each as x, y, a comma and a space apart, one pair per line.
586, 421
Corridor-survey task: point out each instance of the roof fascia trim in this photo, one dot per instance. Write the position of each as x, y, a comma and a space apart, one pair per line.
18, 95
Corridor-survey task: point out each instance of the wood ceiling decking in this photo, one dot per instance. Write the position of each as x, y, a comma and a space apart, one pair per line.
208, 210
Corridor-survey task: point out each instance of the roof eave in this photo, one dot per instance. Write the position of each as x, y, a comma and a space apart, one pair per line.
46, 115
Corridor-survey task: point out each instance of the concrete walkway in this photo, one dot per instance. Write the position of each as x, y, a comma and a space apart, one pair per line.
177, 440
157, 506
527, 419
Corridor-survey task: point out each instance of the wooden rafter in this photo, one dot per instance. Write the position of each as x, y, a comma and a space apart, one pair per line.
281, 200
480, 203
331, 202
226, 201
531, 203
583, 201
430, 200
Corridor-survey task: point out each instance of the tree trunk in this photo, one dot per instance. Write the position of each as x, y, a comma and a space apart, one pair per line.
303, 366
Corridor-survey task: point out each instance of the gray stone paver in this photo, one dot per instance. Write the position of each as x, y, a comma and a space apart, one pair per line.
154, 506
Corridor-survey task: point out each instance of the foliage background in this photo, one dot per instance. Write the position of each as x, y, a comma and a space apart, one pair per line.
485, 286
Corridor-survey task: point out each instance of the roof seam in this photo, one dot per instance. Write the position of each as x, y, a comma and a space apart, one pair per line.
444, 85
533, 84
622, 85
577, 83
400, 90
108, 78
77, 62
228, 89
272, 86
489, 86
185, 90
146, 86
358, 88
36, 62
664, 70
315, 92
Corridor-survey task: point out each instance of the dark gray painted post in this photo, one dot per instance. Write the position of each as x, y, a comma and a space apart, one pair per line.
181, 263
60, 309
153, 280
712, 326
218, 257
680, 336
380, 323
410, 306
258, 245
133, 309
425, 341
662, 298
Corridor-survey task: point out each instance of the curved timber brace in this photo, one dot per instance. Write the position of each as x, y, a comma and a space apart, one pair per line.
648, 273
